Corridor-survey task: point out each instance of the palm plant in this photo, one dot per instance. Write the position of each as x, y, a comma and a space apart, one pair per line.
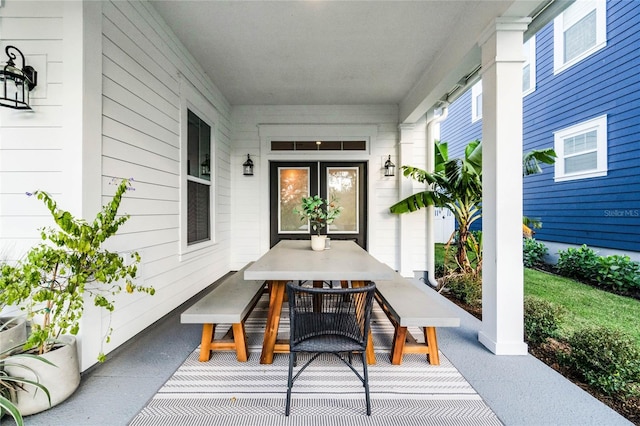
532, 159
457, 185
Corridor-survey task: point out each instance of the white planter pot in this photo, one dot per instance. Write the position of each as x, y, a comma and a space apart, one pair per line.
13, 335
318, 242
61, 381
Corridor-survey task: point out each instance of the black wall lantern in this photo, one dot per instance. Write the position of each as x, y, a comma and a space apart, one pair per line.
15, 82
389, 168
205, 166
247, 167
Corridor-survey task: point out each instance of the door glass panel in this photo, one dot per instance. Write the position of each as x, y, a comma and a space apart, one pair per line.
293, 185
343, 188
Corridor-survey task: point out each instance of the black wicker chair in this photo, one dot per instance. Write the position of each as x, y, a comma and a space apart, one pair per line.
328, 320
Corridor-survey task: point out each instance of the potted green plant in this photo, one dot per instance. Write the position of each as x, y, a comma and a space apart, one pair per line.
52, 282
10, 384
320, 213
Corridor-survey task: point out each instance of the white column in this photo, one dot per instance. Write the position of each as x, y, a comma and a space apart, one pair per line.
82, 103
432, 135
406, 189
502, 276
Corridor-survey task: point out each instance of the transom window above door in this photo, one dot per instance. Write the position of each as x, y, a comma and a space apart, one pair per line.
320, 145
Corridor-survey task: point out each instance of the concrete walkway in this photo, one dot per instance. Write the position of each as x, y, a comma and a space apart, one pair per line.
520, 389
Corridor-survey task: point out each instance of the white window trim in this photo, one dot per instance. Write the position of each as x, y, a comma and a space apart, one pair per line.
558, 37
191, 99
476, 90
600, 125
531, 60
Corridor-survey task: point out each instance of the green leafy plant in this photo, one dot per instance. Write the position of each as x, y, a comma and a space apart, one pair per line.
55, 276
605, 359
615, 273
577, 262
465, 287
619, 273
541, 319
532, 159
319, 212
10, 383
533, 252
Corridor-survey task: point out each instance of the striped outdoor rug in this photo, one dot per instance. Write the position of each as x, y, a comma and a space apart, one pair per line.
226, 392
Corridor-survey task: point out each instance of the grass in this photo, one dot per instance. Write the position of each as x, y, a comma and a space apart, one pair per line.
585, 305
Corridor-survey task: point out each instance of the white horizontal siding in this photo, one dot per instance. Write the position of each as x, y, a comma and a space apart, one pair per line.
134, 137
144, 157
12, 183
116, 167
26, 9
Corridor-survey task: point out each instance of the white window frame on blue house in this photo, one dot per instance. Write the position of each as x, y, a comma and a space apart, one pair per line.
192, 100
529, 52
572, 20
476, 102
578, 136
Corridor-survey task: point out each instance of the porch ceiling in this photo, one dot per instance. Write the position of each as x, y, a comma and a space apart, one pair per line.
330, 52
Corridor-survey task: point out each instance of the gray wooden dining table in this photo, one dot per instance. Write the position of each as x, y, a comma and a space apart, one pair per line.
293, 260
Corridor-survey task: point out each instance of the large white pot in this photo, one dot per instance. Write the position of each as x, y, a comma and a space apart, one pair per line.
14, 334
61, 381
317, 242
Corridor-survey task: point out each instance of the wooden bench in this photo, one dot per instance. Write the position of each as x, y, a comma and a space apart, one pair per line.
231, 302
406, 305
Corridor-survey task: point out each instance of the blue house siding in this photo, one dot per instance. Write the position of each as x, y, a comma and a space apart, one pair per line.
599, 211
457, 130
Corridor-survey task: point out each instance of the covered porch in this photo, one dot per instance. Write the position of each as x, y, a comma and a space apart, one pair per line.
117, 79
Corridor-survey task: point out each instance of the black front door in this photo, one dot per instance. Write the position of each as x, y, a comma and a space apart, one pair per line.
344, 182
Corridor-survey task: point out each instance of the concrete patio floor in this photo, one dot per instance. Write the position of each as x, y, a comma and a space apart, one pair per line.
521, 390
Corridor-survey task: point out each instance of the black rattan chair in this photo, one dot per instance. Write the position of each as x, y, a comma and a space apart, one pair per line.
328, 320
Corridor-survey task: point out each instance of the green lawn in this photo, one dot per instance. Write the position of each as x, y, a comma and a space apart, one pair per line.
586, 305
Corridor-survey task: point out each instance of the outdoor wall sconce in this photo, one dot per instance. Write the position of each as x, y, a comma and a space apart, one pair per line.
206, 166
15, 82
247, 167
389, 168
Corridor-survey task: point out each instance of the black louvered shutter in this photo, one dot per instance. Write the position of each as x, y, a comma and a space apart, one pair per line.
198, 226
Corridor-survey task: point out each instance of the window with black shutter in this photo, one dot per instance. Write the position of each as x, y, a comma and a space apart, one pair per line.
199, 169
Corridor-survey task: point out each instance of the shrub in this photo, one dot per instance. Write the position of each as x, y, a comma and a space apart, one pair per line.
581, 263
533, 252
618, 272
605, 359
465, 287
541, 319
